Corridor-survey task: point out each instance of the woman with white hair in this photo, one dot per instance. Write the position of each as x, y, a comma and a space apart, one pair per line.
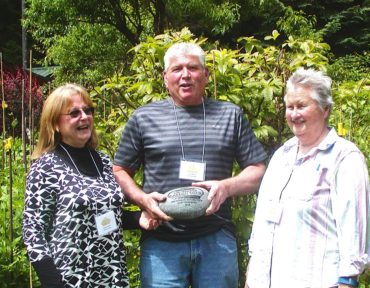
311, 226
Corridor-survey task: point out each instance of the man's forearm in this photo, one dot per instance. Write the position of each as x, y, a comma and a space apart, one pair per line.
147, 202
129, 187
247, 181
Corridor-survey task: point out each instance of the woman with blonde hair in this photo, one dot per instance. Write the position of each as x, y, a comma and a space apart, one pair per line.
73, 218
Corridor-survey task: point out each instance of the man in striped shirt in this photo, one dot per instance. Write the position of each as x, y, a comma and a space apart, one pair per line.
189, 130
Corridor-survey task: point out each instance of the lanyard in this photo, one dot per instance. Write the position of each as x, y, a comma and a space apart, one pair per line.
179, 131
74, 164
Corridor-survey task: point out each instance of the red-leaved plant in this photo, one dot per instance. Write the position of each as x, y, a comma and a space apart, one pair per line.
13, 83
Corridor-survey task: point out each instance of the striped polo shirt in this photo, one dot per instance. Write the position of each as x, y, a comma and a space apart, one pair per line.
151, 139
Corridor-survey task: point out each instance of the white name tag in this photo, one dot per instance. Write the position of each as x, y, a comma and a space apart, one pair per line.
191, 170
106, 223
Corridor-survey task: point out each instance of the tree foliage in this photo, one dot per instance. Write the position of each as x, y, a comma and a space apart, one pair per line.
83, 56
88, 39
343, 23
211, 18
11, 31
351, 67
97, 34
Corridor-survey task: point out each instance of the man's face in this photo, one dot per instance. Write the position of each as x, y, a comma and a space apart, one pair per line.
186, 80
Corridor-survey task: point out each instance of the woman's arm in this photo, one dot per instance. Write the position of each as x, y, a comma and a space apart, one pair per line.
38, 215
138, 219
351, 210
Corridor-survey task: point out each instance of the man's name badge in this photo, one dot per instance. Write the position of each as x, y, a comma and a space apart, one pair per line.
192, 170
106, 223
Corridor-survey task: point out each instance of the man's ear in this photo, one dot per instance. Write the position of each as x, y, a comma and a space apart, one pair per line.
206, 72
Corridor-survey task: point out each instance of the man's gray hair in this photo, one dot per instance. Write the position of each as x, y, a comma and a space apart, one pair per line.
317, 81
184, 48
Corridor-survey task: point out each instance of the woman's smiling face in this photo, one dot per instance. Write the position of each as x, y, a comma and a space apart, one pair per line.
75, 132
305, 117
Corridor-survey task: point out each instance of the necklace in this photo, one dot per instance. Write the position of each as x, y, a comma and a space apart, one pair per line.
74, 164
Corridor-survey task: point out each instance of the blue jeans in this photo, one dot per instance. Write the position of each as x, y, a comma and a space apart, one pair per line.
209, 261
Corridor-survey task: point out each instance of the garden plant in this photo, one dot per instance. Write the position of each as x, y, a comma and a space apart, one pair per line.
252, 76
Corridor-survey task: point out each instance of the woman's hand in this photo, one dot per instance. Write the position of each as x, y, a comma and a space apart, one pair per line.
148, 223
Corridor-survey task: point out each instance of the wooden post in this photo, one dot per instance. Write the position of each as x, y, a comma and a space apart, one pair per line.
3, 107
30, 103
23, 131
11, 205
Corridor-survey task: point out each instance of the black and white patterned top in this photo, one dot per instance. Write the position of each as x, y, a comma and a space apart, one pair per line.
59, 222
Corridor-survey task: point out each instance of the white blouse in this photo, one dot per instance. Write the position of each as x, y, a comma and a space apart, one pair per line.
312, 221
